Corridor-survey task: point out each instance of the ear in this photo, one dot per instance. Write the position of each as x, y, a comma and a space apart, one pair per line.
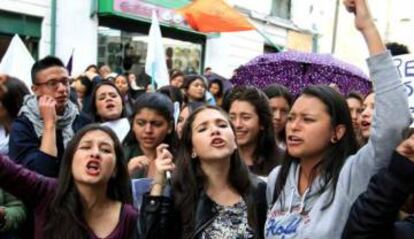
35, 89
338, 133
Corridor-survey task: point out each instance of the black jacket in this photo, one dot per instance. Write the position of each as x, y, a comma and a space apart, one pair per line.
24, 146
159, 220
374, 213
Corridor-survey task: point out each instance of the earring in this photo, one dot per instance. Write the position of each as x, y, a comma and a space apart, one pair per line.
334, 140
193, 155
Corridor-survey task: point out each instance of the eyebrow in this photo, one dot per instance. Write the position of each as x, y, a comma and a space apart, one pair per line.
57, 78
107, 93
302, 114
90, 141
217, 120
242, 113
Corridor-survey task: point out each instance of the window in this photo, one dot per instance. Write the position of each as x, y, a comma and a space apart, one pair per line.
127, 51
27, 27
281, 8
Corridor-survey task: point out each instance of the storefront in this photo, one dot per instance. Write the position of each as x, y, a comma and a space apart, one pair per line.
123, 35
27, 27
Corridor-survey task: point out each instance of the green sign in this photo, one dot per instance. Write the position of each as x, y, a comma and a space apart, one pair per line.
169, 3
25, 25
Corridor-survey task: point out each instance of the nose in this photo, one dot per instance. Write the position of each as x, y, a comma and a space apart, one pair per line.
293, 124
61, 87
365, 113
215, 130
277, 115
95, 152
353, 115
148, 128
237, 122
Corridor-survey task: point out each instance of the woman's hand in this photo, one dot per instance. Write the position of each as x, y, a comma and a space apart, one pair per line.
163, 163
365, 24
363, 18
138, 163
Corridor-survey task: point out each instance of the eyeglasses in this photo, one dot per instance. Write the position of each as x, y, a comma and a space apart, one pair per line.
54, 84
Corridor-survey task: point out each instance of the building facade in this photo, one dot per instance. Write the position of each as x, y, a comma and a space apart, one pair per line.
114, 32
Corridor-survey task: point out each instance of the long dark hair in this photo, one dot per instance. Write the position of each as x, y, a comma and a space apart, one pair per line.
266, 154
128, 83
94, 111
163, 106
13, 95
357, 96
190, 79
188, 179
335, 154
174, 93
65, 212
88, 84
220, 84
277, 90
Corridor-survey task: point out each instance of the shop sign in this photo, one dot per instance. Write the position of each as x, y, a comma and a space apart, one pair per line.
144, 8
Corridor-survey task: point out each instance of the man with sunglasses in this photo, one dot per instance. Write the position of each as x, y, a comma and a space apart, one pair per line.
47, 119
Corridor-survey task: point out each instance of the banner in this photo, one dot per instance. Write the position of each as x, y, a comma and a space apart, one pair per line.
405, 67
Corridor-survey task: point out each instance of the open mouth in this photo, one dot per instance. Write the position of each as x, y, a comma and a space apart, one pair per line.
110, 106
294, 140
365, 124
93, 168
217, 143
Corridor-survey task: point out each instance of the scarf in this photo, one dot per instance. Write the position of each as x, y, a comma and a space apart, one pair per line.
30, 109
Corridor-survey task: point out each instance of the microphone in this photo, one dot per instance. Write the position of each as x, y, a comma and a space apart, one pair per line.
168, 175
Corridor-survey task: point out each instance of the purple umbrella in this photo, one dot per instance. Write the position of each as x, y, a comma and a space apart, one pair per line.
296, 70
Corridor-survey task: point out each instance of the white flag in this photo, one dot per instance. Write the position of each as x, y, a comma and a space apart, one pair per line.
155, 65
17, 61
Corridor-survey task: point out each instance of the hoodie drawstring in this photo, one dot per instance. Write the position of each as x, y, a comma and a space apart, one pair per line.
291, 201
302, 201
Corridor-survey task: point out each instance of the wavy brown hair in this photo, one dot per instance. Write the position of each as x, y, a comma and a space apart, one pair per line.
65, 212
189, 179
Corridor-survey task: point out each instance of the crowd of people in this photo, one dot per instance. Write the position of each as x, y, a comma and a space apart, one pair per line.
222, 163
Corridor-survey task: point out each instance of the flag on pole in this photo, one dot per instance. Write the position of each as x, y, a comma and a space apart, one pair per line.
69, 65
218, 16
214, 16
17, 61
156, 65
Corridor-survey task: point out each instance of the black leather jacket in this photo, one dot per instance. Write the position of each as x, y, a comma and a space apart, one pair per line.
159, 220
374, 213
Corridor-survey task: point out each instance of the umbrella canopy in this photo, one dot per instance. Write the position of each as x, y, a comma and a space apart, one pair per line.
296, 70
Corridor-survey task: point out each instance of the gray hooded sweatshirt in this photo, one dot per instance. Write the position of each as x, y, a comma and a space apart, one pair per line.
305, 216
